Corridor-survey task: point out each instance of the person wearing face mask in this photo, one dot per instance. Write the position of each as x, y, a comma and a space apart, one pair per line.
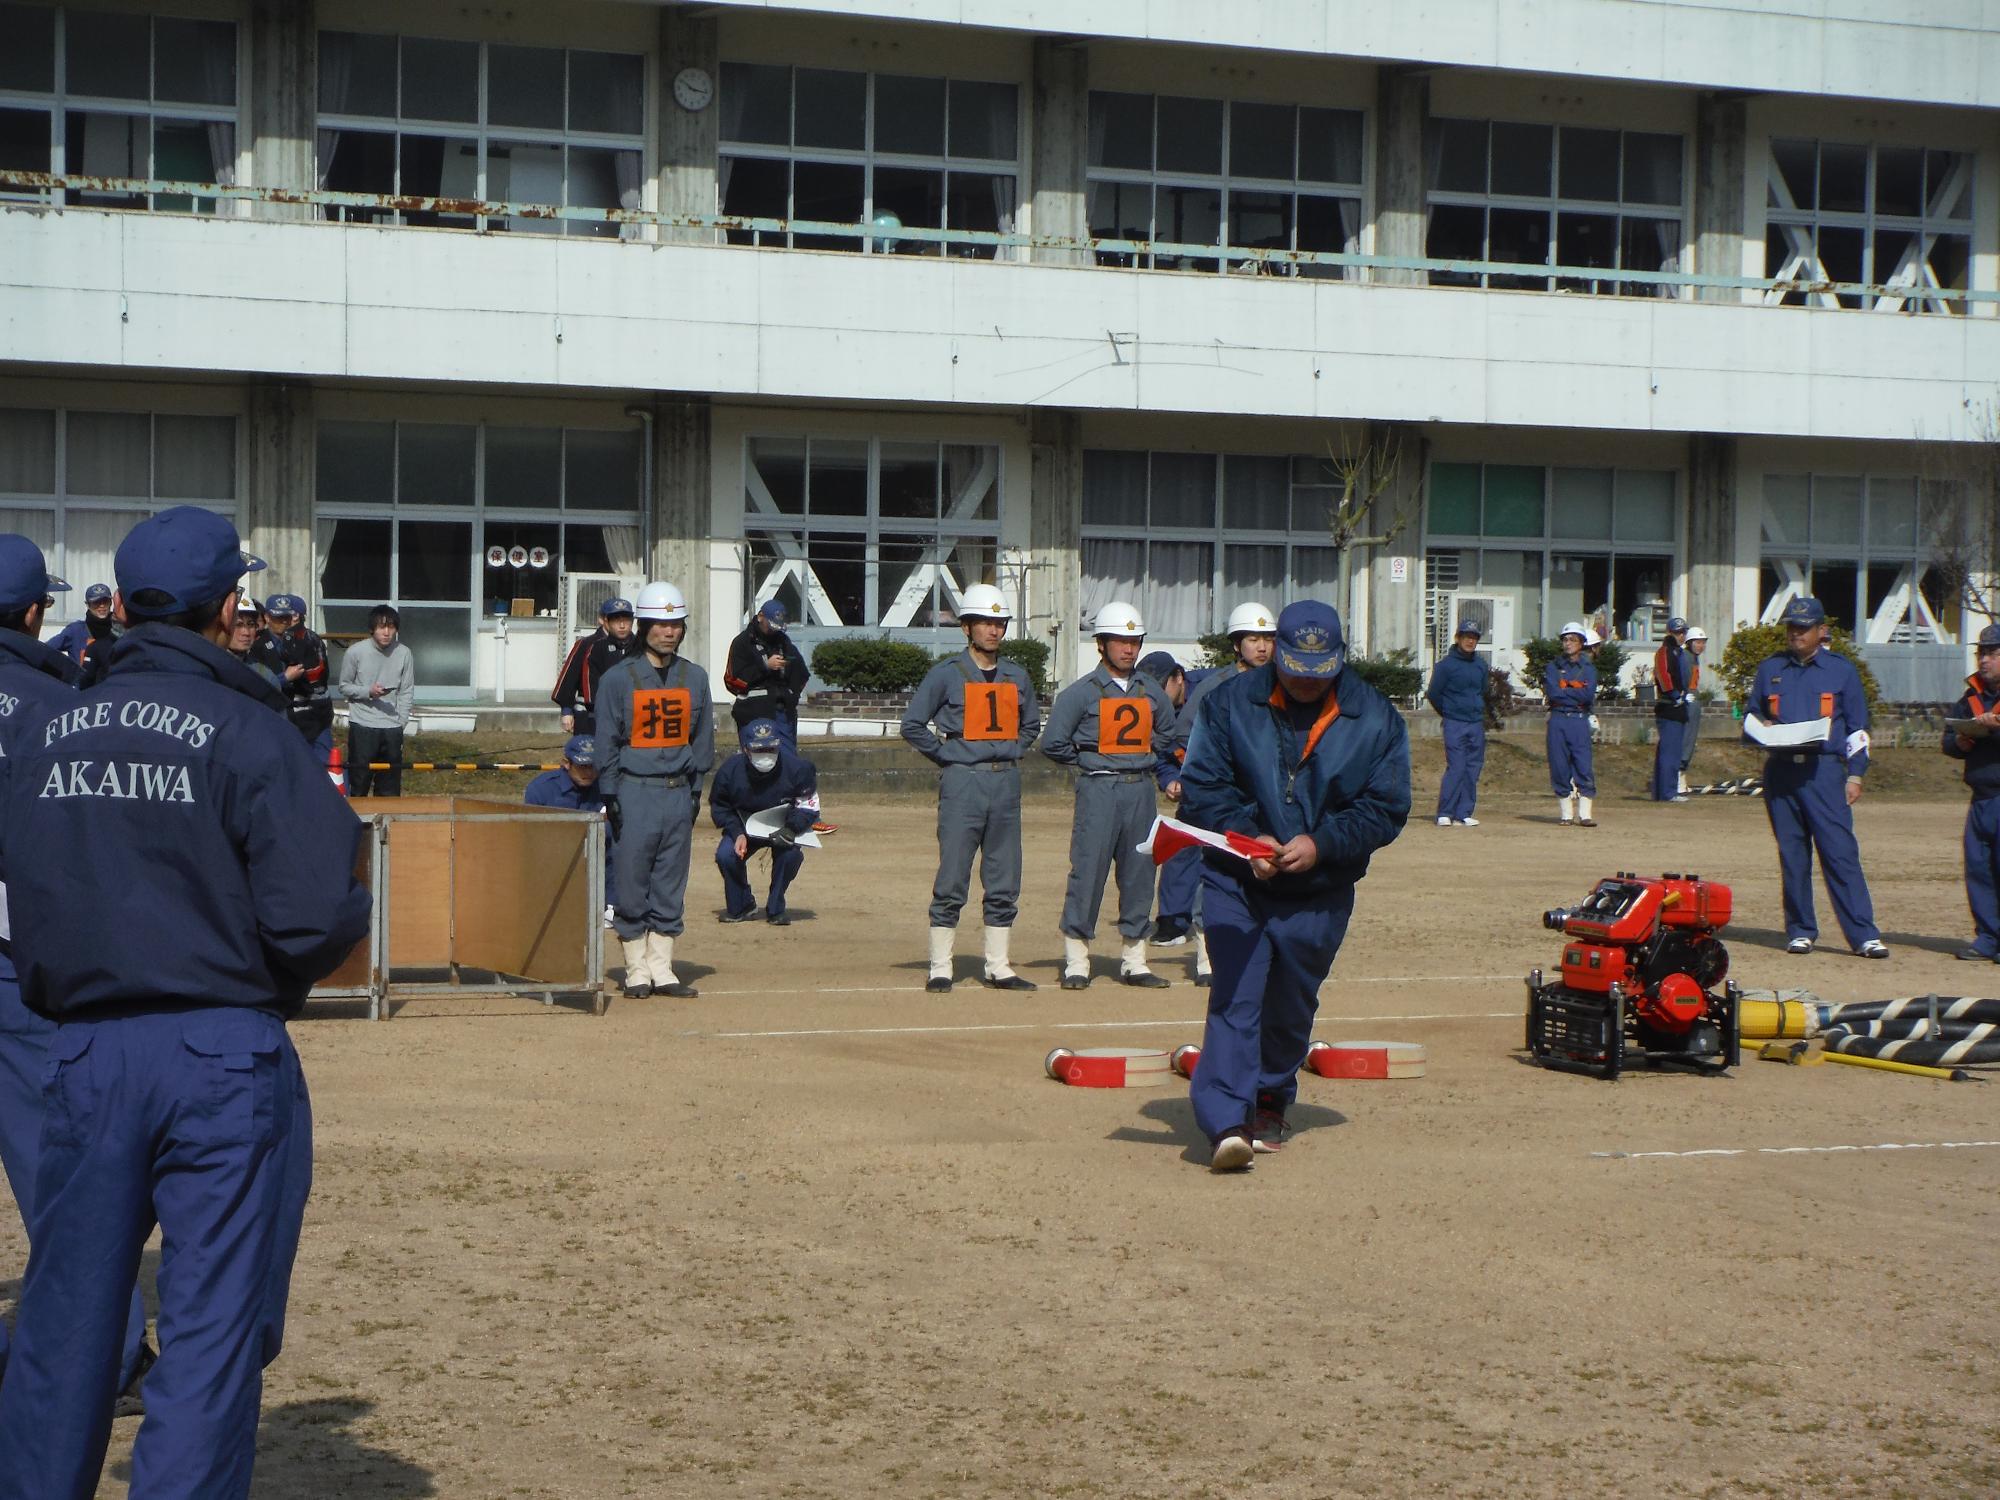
767, 774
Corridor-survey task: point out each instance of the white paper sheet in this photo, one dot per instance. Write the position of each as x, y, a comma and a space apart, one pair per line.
1787, 736
761, 825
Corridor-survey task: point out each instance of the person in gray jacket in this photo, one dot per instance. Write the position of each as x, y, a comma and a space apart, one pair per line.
378, 680
1116, 727
655, 744
974, 715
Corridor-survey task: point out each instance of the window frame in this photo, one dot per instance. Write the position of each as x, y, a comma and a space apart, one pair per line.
1862, 556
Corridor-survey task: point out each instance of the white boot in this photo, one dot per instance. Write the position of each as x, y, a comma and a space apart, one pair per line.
1201, 969
1076, 964
1132, 967
1583, 812
941, 941
660, 955
999, 973
1566, 810
638, 974
1681, 784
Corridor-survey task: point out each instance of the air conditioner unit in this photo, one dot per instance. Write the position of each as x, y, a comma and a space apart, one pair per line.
1494, 614
582, 593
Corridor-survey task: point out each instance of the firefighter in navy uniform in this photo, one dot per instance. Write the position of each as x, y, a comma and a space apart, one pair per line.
297, 657
36, 681
588, 660
656, 743
765, 774
172, 1093
99, 623
1569, 684
1981, 755
1810, 790
767, 673
1673, 690
974, 716
1116, 726
573, 787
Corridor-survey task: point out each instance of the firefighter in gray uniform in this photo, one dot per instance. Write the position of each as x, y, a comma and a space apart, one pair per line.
1117, 728
655, 743
975, 716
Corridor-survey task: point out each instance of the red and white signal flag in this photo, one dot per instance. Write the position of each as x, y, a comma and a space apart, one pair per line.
1169, 836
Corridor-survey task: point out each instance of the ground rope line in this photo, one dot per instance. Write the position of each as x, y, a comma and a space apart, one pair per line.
1788, 1150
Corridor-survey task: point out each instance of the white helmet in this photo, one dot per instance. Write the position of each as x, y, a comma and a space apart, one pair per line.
659, 601
1591, 638
1118, 618
1575, 628
983, 602
1251, 619
1696, 633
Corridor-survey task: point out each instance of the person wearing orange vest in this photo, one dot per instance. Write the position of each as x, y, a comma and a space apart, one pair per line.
1981, 754
1672, 668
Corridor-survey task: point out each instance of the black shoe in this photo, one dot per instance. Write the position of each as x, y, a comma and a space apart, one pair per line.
131, 1401
1168, 933
1974, 956
737, 916
1011, 982
1076, 981
937, 986
679, 991
636, 991
778, 919
1145, 981
1201, 981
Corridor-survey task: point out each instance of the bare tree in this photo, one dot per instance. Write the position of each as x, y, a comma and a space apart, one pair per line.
1960, 514
1368, 473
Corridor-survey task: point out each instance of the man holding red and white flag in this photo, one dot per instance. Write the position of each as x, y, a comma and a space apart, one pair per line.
1304, 772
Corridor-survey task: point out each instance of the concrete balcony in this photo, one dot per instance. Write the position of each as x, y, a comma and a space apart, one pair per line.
157, 292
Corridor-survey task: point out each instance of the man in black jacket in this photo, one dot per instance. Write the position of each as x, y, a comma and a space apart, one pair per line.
1981, 754
588, 660
296, 656
766, 673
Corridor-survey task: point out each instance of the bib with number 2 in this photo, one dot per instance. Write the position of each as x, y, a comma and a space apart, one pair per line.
661, 718
1124, 726
992, 711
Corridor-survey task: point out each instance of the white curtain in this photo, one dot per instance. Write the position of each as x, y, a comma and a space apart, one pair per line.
622, 543
1112, 567
109, 453
27, 452
218, 63
1177, 600
336, 79
1350, 238
1006, 197
90, 539
630, 170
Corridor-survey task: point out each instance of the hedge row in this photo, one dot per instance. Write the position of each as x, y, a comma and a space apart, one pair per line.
876, 664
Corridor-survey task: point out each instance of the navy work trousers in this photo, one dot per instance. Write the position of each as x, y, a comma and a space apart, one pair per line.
1569, 756
1180, 881
1464, 758
1667, 758
1807, 805
1982, 873
736, 892
1270, 957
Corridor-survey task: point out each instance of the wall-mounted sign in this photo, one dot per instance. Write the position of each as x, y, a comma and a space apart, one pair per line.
1399, 570
538, 557
496, 557
518, 556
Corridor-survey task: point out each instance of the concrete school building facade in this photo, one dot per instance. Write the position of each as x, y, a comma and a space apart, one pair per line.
1659, 308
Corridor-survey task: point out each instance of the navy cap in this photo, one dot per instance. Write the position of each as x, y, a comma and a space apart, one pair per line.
581, 750
1677, 626
285, 604
97, 593
1469, 627
760, 734
774, 611
189, 554
24, 573
612, 607
1803, 612
1989, 637
1159, 665
1310, 643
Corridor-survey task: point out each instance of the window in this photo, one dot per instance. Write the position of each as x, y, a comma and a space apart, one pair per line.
1554, 195
448, 521
1187, 536
1899, 217
108, 94
74, 482
1551, 545
881, 149
870, 532
1209, 172
1863, 545
530, 125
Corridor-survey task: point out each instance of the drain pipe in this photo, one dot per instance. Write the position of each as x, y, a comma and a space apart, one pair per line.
644, 416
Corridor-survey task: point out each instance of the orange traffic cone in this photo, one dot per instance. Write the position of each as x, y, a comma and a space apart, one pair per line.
337, 769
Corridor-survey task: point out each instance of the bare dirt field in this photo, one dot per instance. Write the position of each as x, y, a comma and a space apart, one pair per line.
819, 1234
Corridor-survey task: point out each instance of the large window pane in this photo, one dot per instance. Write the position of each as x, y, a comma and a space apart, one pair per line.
1183, 489
1315, 573
1330, 145
28, 61
38, 526
756, 104
755, 188
1190, 135
1260, 221
1899, 181
1797, 174
194, 458
440, 640
109, 453
1892, 514
607, 93
434, 560
909, 481
1645, 506
524, 86
501, 586
107, 55
586, 549
826, 193
1114, 489
1581, 503
602, 469
1256, 493
1516, 576
1187, 216
184, 151
1261, 141
24, 140
1785, 510
593, 183
437, 166
440, 79
1121, 131
90, 544
1513, 500
356, 463
1518, 236
985, 121
1454, 499
27, 450
908, 196
839, 565
194, 62
778, 477
832, 108
104, 145
1457, 232
1843, 178
524, 467
356, 564
1120, 211
971, 483
909, 115
1589, 164
436, 468
1522, 156
363, 161
838, 483
1652, 168
1112, 569
1458, 155
1836, 513
1254, 573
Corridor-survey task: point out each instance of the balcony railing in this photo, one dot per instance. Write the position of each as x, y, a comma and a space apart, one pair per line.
34, 191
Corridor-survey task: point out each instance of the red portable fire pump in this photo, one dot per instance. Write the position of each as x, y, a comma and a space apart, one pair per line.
1638, 987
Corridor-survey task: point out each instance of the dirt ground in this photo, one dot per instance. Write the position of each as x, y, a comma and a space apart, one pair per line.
819, 1234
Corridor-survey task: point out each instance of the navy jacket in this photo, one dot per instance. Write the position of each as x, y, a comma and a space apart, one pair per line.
35, 680
1982, 761
555, 789
1244, 775
740, 791
1571, 686
1788, 691
1673, 675
1458, 687
169, 841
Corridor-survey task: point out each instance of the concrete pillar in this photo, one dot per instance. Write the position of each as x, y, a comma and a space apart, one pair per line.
277, 519
1719, 181
1402, 110
1055, 537
1711, 538
680, 529
1390, 605
1060, 195
689, 141
284, 100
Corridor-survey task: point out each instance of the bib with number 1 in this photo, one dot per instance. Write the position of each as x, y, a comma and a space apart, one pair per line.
662, 718
992, 711
1124, 726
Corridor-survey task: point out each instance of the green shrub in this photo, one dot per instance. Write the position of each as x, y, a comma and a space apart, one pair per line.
1031, 657
870, 664
1610, 663
1752, 643
1216, 651
1543, 649
1394, 676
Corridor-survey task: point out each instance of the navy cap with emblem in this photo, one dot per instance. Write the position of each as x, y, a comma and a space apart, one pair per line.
1159, 665
187, 555
1310, 642
1469, 627
612, 607
581, 750
97, 593
1989, 637
760, 734
773, 610
1803, 613
1677, 626
24, 573
285, 604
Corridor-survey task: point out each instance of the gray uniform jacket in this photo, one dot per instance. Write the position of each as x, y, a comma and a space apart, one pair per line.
645, 730
1072, 739
1184, 722
934, 723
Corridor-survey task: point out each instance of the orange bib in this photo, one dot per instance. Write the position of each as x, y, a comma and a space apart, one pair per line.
662, 718
1124, 726
992, 711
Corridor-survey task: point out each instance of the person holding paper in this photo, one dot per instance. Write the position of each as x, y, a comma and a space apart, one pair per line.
1981, 754
1810, 787
1314, 762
